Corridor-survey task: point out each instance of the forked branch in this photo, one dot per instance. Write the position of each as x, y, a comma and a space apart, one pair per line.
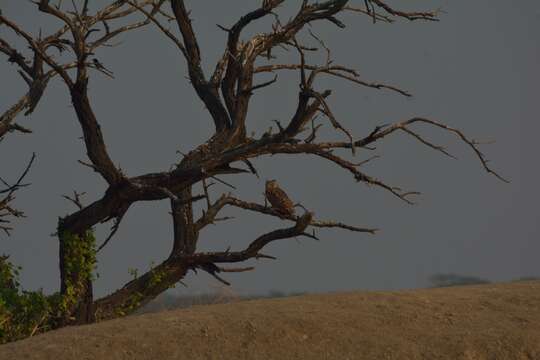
228, 200
8, 195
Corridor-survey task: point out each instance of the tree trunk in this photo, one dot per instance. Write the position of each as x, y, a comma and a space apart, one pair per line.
77, 262
142, 290
185, 235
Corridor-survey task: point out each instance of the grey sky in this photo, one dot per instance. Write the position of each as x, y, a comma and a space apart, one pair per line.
476, 70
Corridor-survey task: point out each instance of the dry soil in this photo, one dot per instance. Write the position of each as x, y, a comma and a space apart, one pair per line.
496, 321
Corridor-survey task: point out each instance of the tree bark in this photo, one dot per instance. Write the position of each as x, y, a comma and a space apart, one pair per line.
185, 234
141, 290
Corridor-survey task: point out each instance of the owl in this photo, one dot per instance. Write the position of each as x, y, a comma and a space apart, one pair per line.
278, 198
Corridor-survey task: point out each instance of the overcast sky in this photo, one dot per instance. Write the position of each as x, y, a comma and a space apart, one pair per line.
476, 70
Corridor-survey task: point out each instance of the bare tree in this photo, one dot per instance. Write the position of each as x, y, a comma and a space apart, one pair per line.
226, 93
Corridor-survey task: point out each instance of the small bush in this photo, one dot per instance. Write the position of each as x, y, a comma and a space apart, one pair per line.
22, 313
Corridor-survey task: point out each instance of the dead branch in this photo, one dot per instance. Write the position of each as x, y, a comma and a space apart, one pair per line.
205, 90
226, 199
333, 70
381, 132
6, 210
429, 16
75, 199
252, 251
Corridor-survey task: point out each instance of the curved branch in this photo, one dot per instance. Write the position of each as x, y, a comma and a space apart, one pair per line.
44, 6
429, 16
334, 70
39, 49
14, 56
233, 62
93, 138
212, 212
205, 90
6, 119
383, 131
36, 80
141, 290
252, 251
6, 210
111, 34
167, 33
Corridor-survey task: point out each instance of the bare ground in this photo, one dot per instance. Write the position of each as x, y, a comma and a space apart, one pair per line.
496, 321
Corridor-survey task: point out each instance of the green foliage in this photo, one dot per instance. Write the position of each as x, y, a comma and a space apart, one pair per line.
130, 305
22, 313
157, 276
79, 253
134, 273
79, 260
25, 313
134, 301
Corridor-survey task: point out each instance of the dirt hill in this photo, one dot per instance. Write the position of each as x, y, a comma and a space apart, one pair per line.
496, 321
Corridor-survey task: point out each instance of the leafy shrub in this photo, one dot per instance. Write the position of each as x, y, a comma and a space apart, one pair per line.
22, 313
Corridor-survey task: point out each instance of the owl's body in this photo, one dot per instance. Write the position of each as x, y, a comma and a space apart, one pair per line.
278, 198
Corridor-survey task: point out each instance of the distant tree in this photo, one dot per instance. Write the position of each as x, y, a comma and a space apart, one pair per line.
276, 294
444, 280
226, 93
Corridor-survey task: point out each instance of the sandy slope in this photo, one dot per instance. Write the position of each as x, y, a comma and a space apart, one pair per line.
499, 321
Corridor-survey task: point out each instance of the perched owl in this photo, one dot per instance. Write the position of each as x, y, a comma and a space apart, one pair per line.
278, 198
